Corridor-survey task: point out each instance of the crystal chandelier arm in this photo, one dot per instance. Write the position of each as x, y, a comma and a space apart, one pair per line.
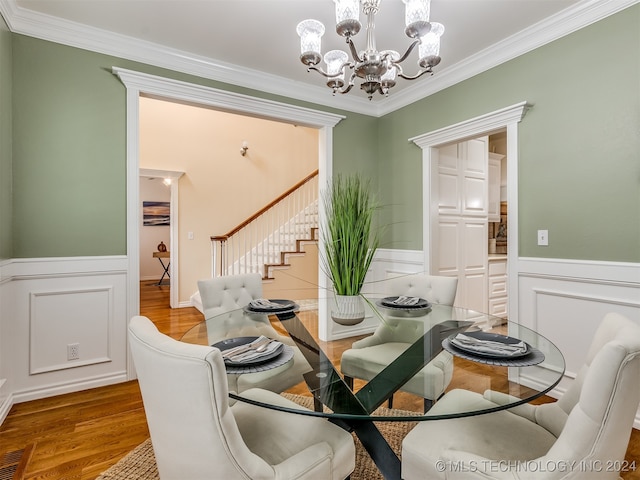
408, 52
418, 75
349, 85
323, 73
354, 51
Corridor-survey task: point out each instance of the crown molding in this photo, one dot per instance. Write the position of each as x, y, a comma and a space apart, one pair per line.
557, 26
47, 27
73, 34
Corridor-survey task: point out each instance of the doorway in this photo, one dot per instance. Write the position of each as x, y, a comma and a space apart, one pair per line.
138, 84
471, 242
159, 186
506, 119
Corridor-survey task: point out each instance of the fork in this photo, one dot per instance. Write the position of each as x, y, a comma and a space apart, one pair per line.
257, 346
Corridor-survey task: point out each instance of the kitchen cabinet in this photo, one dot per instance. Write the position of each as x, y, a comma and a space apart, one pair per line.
497, 286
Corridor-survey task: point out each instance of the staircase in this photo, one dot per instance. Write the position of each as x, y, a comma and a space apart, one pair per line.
267, 240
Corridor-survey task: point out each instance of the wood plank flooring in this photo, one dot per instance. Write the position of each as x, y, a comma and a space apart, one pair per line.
79, 435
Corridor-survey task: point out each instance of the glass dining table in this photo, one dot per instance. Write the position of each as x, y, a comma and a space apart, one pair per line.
518, 379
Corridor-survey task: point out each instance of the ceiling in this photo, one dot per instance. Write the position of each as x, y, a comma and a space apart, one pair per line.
253, 43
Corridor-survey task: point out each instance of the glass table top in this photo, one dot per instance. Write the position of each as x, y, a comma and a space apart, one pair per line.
418, 337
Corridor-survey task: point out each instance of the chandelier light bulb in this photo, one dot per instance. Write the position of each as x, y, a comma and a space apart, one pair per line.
347, 17
335, 59
416, 17
310, 32
429, 48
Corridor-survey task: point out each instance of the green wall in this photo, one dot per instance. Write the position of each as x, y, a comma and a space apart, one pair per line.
5, 142
579, 146
69, 148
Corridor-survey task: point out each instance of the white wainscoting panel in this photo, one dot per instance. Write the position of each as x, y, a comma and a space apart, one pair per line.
50, 303
60, 319
566, 300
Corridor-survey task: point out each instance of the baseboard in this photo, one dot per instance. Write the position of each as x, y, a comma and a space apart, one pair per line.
5, 407
46, 391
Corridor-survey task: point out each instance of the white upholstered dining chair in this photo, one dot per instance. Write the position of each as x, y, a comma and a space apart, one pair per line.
582, 436
228, 294
197, 434
369, 356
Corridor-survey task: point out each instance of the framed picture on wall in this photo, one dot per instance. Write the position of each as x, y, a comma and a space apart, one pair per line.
155, 214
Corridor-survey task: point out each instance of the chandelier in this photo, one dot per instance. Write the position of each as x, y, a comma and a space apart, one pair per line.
377, 69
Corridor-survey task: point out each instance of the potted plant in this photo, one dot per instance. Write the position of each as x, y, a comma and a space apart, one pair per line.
349, 243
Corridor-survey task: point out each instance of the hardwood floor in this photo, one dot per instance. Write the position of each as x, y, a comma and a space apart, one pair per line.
79, 435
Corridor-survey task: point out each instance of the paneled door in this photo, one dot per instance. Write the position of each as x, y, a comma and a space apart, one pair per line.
462, 226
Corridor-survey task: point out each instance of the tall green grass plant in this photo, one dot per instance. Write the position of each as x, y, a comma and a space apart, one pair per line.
348, 234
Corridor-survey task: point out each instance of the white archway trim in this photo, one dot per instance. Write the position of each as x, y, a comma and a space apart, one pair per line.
224, 100
474, 127
137, 84
508, 118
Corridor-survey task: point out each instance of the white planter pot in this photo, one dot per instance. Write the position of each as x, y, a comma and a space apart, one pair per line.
347, 309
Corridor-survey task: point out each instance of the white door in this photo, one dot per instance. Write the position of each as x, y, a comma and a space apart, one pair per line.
462, 227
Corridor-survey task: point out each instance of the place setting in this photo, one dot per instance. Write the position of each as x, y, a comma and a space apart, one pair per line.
253, 354
492, 349
263, 305
405, 304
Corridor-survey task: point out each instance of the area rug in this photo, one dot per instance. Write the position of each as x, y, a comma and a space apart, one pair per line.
140, 463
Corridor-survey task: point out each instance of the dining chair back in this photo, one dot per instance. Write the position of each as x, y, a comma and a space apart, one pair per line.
584, 435
196, 433
228, 294
434, 288
369, 356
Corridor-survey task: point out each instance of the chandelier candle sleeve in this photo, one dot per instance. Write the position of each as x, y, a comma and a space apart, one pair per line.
429, 49
347, 17
377, 70
335, 60
416, 18
310, 32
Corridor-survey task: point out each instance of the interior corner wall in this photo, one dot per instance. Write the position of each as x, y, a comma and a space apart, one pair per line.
578, 145
6, 191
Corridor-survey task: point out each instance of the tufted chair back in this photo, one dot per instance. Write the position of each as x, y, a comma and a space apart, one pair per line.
222, 297
599, 406
435, 289
222, 294
184, 390
197, 434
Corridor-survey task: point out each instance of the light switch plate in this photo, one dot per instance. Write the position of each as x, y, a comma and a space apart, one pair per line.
543, 238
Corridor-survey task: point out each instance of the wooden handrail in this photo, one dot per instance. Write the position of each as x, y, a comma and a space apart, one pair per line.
235, 230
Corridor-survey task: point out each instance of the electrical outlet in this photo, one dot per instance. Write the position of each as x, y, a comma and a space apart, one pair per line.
73, 351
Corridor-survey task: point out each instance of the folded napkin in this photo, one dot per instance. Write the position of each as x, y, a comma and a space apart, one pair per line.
488, 346
266, 304
404, 301
251, 355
